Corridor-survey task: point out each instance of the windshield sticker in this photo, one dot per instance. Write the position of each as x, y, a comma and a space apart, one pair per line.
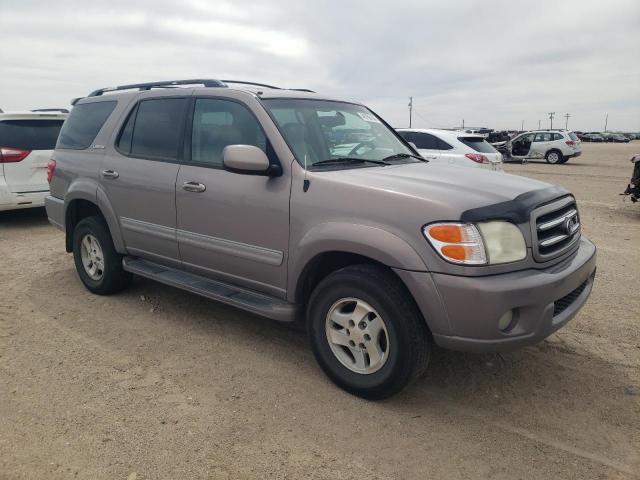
367, 117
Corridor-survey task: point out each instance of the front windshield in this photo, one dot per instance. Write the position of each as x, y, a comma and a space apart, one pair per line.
330, 132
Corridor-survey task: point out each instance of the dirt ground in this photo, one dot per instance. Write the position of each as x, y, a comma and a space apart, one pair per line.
156, 383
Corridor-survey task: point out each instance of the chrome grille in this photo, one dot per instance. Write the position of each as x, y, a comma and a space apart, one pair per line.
556, 228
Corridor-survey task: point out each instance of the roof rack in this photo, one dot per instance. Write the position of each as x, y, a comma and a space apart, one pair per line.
61, 110
168, 83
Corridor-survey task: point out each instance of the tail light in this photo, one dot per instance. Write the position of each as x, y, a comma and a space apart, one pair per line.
571, 143
12, 155
477, 157
51, 167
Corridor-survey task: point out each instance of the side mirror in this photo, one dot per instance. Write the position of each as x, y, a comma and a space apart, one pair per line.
248, 160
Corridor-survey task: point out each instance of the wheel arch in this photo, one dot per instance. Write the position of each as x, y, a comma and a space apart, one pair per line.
87, 200
329, 247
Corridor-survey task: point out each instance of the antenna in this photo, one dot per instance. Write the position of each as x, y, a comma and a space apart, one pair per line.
305, 183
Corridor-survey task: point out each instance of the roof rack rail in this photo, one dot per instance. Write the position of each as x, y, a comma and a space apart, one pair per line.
61, 110
241, 82
207, 82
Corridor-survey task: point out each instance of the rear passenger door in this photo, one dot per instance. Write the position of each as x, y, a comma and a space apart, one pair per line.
231, 227
427, 145
139, 177
540, 145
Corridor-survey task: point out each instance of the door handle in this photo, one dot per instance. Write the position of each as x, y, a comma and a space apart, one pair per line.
194, 187
110, 174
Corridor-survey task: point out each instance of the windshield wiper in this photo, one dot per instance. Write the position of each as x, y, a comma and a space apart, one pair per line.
334, 161
403, 155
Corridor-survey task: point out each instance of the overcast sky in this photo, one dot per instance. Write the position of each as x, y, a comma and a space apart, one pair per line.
491, 63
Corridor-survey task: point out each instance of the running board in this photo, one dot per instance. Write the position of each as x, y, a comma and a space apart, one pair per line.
258, 303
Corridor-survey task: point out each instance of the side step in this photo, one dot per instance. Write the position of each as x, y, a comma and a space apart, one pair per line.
258, 303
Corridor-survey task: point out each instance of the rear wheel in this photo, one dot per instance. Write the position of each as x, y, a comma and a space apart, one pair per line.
554, 156
366, 332
97, 262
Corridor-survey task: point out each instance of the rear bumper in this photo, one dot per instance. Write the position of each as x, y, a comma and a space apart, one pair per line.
574, 155
14, 201
55, 211
466, 310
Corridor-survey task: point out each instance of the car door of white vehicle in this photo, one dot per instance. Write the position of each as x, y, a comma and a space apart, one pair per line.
426, 144
540, 145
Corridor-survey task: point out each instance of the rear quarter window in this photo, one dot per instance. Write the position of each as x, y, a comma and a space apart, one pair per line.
573, 136
30, 134
83, 124
478, 144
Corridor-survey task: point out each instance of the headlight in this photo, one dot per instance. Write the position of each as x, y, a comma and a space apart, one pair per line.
477, 244
503, 242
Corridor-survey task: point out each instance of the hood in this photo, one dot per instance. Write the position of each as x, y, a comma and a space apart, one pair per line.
467, 188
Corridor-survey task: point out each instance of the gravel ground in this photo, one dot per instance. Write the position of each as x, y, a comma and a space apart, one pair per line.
158, 383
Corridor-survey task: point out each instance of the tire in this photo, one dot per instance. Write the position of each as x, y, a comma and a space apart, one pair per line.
564, 160
554, 157
404, 339
105, 275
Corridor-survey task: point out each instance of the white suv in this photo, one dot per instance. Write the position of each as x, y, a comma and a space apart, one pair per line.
555, 146
27, 140
453, 147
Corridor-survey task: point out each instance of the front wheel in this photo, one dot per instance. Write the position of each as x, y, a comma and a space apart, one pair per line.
98, 264
366, 332
553, 157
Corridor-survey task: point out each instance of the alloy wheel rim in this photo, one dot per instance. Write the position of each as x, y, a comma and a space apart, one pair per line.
357, 335
553, 157
92, 257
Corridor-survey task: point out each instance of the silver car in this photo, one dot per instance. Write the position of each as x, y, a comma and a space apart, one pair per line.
293, 205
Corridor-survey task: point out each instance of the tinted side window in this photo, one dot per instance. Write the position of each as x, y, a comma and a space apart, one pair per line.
83, 124
30, 134
157, 129
124, 141
442, 145
557, 136
218, 123
478, 144
426, 141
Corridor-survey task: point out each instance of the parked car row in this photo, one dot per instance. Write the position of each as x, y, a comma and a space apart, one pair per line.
607, 137
293, 205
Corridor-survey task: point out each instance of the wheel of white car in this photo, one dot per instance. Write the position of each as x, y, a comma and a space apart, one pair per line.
553, 157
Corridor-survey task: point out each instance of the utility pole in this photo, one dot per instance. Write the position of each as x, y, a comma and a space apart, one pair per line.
606, 121
566, 123
538, 124
410, 110
463, 123
551, 115
522, 126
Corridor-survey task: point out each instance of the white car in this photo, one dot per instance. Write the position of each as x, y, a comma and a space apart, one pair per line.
555, 146
27, 140
454, 147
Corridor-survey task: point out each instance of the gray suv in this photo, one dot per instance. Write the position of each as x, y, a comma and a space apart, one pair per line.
293, 205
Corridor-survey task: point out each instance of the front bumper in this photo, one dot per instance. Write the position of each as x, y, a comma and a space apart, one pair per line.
463, 312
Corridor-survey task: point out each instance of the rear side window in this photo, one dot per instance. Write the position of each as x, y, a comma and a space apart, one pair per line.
83, 124
425, 141
478, 144
154, 130
30, 134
